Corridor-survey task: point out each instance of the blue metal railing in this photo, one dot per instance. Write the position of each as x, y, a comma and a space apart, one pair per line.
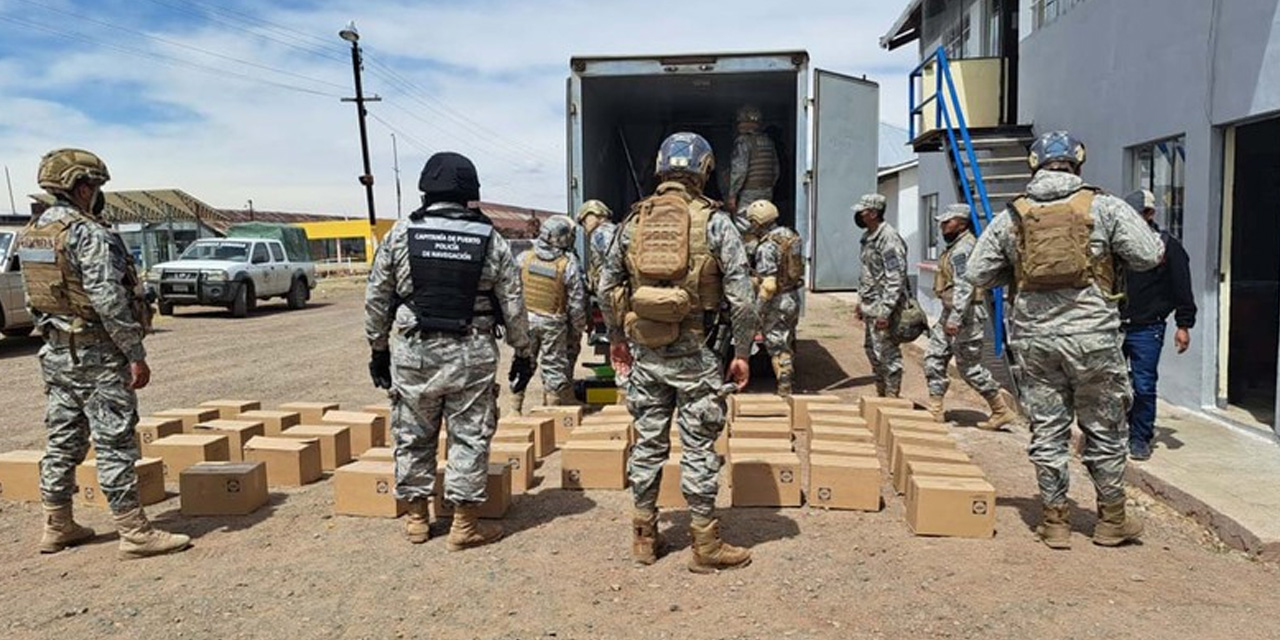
944, 105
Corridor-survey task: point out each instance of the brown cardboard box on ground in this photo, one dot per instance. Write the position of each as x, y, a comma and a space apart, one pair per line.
380, 454
844, 482
273, 422
567, 419
291, 462
185, 449
884, 414
939, 469
544, 431
367, 488
20, 475
586, 433
497, 494
779, 428
837, 420
231, 409
959, 507
936, 440
745, 446
765, 480
735, 401
335, 442
368, 430
669, 494
837, 448
908, 453
151, 429
150, 473
867, 405
800, 408
834, 410
311, 412
519, 456
383, 410
594, 464
190, 417
223, 488
238, 432
775, 408
514, 433
840, 434
899, 427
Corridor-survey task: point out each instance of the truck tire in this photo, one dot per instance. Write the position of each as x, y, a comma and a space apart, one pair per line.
298, 294
244, 293
17, 332
165, 308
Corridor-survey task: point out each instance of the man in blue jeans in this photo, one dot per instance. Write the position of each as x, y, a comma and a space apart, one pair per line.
1150, 297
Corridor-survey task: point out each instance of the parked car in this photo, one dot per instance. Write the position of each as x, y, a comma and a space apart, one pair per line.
232, 272
15, 319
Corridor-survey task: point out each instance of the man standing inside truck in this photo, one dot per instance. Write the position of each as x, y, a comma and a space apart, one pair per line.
753, 168
557, 304
881, 292
442, 283
84, 292
676, 257
779, 275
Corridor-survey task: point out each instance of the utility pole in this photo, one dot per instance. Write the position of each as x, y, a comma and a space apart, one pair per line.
395, 155
13, 207
250, 209
351, 35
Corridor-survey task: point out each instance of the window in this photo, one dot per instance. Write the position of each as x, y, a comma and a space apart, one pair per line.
929, 211
994, 8
1160, 167
277, 253
1044, 12
260, 255
957, 38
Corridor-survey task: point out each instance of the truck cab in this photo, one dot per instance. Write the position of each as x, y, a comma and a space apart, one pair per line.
15, 319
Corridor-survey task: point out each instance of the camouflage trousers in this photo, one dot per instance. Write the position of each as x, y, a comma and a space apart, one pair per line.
686, 387
549, 339
89, 398
885, 356
778, 318
575, 350
966, 346
443, 380
1083, 379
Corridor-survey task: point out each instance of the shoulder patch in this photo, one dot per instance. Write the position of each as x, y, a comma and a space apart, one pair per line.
958, 263
892, 261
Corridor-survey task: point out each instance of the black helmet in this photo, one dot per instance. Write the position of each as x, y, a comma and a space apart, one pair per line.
449, 177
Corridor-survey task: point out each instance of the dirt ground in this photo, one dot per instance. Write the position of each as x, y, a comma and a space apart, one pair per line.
292, 570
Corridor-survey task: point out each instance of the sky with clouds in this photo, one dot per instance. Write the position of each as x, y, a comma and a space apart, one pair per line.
233, 100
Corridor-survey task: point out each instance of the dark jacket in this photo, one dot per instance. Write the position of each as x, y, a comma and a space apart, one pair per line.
1152, 295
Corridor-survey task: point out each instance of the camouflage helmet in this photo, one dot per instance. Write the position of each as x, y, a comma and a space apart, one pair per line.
558, 231
596, 208
687, 153
61, 169
762, 213
1055, 146
749, 113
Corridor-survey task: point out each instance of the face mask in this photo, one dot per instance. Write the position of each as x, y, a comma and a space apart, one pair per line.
99, 203
951, 237
857, 219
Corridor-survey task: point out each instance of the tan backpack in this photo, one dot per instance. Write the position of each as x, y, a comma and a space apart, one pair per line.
1053, 244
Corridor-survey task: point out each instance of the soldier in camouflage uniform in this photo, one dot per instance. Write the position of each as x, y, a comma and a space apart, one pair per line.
442, 282
597, 223
960, 328
779, 275
85, 295
882, 291
754, 169
557, 305
1059, 245
661, 281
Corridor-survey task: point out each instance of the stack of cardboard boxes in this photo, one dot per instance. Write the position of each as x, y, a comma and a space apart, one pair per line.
764, 470
595, 454
843, 471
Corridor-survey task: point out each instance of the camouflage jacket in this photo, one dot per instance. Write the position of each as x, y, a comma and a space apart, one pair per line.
957, 297
768, 258
597, 249
575, 300
1117, 230
883, 284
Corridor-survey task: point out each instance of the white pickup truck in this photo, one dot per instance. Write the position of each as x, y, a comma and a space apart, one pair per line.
15, 320
234, 273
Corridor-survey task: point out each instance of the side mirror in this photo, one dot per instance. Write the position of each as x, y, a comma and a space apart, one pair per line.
15, 264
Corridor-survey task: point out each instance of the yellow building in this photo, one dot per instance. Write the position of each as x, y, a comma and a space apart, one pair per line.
345, 240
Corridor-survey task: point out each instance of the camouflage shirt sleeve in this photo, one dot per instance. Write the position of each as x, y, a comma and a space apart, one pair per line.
1132, 239
613, 274
380, 292
990, 264
962, 289
893, 251
767, 258
726, 246
104, 268
575, 295
738, 164
509, 290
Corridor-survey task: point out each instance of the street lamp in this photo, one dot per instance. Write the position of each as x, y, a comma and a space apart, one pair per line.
351, 35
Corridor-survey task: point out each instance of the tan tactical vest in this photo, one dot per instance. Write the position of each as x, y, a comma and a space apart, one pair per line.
544, 290
762, 164
945, 281
674, 277
1053, 245
53, 286
790, 259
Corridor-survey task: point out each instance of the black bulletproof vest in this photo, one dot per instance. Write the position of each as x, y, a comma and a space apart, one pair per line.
447, 250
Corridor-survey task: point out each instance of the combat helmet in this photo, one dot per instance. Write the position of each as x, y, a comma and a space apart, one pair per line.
61, 169
749, 113
1055, 146
685, 153
762, 213
558, 231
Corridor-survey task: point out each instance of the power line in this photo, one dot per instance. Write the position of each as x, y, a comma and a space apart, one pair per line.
255, 29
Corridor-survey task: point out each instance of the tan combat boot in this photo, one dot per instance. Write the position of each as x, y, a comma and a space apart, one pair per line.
644, 540
783, 372
468, 531
1002, 413
936, 409
1116, 525
710, 554
61, 530
517, 404
139, 540
417, 524
1055, 530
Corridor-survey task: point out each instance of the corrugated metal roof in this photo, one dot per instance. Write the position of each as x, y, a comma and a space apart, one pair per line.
895, 147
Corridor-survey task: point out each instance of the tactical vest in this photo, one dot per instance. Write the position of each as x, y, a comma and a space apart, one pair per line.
1053, 245
945, 281
790, 260
447, 252
674, 277
53, 287
544, 290
762, 163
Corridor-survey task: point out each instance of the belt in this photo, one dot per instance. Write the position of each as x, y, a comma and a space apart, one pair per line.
63, 339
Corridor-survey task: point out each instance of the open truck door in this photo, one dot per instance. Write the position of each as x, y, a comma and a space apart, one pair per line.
846, 117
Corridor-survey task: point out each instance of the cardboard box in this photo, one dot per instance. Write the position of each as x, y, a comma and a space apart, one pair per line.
867, 405
185, 449
223, 488
231, 409
743, 446
151, 429
273, 422
383, 410
291, 462
937, 441
939, 469
834, 410
959, 507
884, 414
844, 482
775, 408
838, 420
594, 464
497, 494
779, 428
368, 430
189, 417
335, 442
379, 454
821, 432
150, 473
567, 419
544, 431
765, 480
585, 433
669, 494
736, 400
513, 433
367, 488
908, 453
311, 412
837, 448
238, 432
518, 456
614, 410
800, 408
897, 426
20, 475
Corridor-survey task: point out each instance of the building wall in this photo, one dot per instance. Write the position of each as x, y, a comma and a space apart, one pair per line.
339, 229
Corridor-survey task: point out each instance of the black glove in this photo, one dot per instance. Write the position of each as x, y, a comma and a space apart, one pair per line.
520, 374
380, 368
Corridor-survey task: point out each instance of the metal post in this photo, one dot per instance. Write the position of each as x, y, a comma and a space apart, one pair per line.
351, 35
395, 155
13, 207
